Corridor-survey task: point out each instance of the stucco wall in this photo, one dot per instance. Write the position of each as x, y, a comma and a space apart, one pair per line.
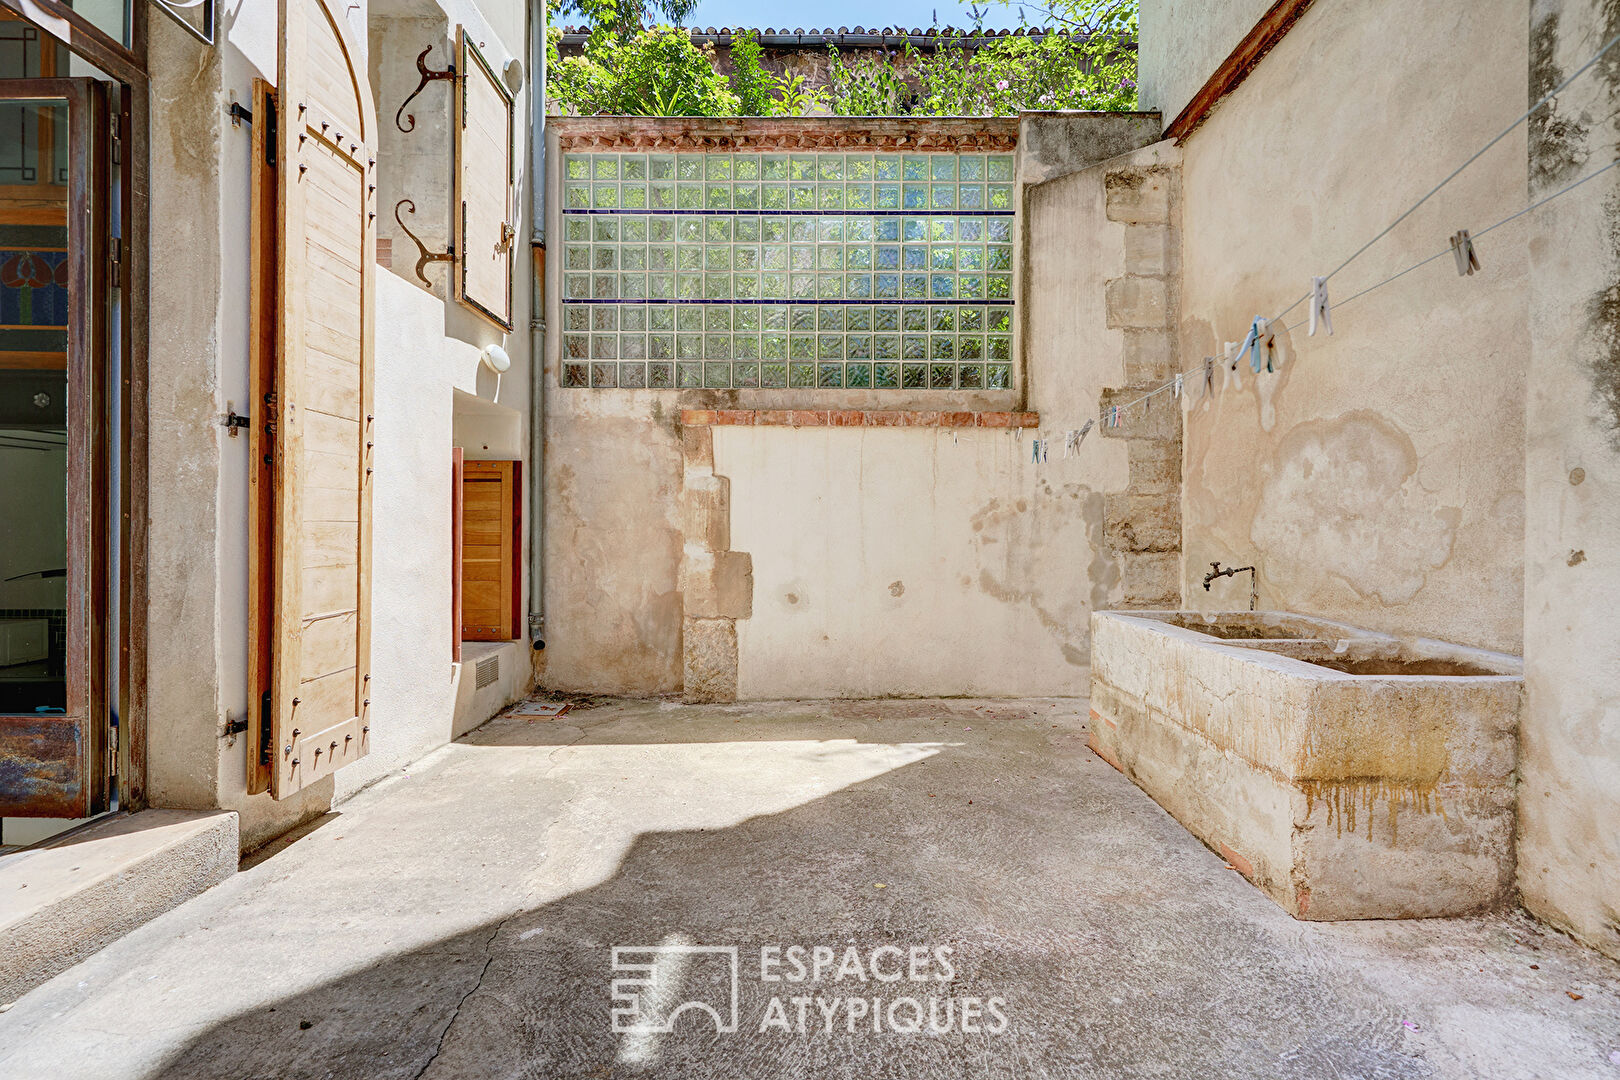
1378, 477
1183, 42
426, 352
884, 560
1569, 757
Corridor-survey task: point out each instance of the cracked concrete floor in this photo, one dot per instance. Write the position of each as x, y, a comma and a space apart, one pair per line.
458, 921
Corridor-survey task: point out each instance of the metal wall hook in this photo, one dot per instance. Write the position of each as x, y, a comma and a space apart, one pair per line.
426, 255
428, 75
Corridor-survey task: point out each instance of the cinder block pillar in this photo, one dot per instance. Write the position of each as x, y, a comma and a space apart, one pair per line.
1142, 524
716, 583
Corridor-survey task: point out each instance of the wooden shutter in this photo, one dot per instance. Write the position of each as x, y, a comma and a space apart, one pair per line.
321, 644
485, 226
492, 516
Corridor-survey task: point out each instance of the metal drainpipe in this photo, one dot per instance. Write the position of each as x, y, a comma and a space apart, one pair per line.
537, 324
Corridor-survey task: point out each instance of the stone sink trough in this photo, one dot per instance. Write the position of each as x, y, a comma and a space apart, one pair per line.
1347, 773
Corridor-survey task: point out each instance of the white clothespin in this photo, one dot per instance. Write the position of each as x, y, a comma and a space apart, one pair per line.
1074, 437
1176, 392
1462, 248
1320, 311
1233, 365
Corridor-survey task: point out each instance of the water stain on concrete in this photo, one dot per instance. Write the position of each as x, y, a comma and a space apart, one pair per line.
1557, 142
1339, 500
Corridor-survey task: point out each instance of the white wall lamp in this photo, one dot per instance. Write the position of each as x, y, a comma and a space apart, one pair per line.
497, 360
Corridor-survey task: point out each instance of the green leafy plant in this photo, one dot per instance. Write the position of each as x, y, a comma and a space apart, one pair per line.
870, 85
760, 93
627, 68
657, 72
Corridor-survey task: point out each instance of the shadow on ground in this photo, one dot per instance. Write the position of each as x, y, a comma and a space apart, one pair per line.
1116, 944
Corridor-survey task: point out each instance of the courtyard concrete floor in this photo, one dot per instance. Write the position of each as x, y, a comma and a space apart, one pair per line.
458, 920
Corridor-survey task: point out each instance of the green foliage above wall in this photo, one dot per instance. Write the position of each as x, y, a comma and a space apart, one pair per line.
630, 69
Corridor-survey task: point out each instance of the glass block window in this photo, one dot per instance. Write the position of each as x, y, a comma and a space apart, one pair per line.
808, 270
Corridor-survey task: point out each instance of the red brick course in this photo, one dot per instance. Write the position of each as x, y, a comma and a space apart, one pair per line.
857, 418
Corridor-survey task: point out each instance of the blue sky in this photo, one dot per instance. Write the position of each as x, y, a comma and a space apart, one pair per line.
850, 13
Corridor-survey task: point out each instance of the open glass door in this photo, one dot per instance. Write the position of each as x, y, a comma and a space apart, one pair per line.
54, 731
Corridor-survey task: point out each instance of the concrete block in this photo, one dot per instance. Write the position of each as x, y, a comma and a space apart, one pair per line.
1147, 250
1343, 793
1149, 356
1155, 465
1149, 578
1137, 302
706, 511
697, 447
1160, 421
709, 660
1138, 197
60, 904
1139, 522
717, 584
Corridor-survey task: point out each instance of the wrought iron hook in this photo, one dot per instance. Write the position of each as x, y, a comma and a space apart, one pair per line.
426, 255
428, 75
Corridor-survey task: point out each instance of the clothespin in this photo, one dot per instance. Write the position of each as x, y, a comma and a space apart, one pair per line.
1462, 248
1233, 364
1176, 392
1074, 437
1209, 376
1259, 341
1319, 306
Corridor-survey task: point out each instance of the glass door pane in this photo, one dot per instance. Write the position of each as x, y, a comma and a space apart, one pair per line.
35, 301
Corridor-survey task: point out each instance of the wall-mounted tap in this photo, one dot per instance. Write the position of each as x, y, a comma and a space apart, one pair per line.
1215, 571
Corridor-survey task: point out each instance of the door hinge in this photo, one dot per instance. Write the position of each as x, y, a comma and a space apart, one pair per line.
117, 120
236, 727
115, 261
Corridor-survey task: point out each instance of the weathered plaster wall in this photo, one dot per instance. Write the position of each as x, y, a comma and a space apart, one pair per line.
1378, 476
1183, 42
1569, 758
858, 539
427, 352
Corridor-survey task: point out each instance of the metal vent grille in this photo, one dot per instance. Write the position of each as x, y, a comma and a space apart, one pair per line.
487, 671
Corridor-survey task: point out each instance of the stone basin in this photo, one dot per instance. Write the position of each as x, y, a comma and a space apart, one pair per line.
1349, 774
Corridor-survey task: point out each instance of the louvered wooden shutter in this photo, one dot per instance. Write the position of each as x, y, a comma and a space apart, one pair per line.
485, 224
321, 681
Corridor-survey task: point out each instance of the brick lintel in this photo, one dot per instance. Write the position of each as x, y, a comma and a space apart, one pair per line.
856, 418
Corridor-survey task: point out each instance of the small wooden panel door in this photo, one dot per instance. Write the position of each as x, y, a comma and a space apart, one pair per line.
492, 526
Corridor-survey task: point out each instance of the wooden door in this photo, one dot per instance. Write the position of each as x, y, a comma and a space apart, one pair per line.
54, 727
320, 404
492, 528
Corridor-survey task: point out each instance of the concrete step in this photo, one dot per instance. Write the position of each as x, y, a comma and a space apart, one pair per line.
61, 903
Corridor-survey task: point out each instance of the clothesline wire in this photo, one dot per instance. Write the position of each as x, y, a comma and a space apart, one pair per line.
1447, 250
1122, 408
1118, 410
1577, 73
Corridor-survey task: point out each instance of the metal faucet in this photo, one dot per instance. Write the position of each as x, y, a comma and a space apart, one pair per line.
1215, 571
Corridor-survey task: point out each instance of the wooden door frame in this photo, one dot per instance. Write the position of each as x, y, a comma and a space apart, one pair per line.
126, 66
81, 733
